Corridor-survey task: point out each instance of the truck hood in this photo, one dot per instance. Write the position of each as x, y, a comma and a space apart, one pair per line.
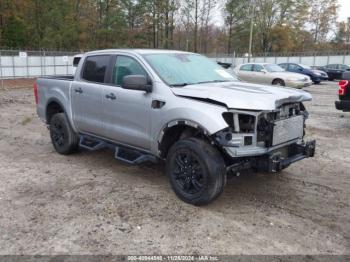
240, 95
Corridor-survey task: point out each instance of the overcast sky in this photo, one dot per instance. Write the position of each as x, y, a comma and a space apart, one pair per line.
344, 10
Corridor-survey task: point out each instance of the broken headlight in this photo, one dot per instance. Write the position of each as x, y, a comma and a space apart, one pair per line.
240, 130
240, 123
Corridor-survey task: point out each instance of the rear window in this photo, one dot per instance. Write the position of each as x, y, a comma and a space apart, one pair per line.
76, 61
284, 66
246, 67
95, 68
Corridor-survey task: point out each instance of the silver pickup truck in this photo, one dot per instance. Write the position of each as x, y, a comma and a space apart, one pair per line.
177, 107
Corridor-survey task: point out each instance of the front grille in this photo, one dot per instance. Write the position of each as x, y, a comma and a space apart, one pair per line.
288, 129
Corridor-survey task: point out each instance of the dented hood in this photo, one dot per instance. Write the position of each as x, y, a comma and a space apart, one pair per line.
240, 95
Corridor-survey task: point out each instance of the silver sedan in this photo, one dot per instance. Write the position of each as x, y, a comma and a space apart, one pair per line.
264, 73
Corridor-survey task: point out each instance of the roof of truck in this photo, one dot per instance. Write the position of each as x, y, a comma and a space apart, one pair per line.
138, 51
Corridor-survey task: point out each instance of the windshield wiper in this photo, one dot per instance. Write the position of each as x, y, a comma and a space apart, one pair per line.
204, 82
214, 81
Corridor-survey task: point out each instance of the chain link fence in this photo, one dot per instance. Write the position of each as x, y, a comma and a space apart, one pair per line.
19, 64
15, 64
320, 58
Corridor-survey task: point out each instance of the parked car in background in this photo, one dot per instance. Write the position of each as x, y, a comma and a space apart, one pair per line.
272, 74
335, 71
316, 75
344, 93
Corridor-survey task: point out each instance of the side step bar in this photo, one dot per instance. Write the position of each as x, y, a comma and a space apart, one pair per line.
132, 157
91, 144
124, 154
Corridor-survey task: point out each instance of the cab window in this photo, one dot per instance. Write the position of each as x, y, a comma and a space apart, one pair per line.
125, 66
95, 68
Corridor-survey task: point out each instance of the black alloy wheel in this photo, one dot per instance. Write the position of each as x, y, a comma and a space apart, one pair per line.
196, 170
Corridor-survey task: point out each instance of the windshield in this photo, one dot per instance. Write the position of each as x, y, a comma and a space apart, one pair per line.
305, 67
180, 69
274, 68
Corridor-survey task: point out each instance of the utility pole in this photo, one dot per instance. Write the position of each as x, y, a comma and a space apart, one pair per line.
252, 6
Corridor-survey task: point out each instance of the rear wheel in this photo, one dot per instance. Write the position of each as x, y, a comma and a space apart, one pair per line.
278, 82
63, 138
196, 171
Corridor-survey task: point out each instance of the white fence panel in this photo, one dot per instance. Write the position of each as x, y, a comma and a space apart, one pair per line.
34, 64
336, 59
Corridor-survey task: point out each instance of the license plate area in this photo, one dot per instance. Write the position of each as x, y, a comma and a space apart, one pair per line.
288, 129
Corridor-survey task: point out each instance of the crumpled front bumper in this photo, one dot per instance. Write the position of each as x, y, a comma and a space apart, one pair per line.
276, 160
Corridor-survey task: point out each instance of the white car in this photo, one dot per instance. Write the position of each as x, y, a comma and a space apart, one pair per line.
264, 73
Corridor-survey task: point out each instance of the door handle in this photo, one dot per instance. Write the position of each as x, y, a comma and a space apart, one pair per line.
111, 96
78, 90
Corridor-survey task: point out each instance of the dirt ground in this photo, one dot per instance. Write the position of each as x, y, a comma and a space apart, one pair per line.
90, 203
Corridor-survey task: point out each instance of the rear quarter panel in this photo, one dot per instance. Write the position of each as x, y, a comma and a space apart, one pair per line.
54, 90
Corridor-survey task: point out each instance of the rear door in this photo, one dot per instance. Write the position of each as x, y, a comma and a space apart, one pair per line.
87, 94
126, 113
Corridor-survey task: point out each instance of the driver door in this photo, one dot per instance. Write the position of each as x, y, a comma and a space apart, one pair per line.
126, 113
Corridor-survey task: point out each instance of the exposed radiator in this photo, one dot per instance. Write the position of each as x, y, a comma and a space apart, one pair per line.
288, 129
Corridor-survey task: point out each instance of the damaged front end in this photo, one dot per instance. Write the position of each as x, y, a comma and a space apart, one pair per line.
265, 140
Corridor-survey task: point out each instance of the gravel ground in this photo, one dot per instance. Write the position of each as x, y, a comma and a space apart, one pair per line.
89, 203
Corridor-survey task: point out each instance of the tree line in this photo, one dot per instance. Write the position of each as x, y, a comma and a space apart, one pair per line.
205, 26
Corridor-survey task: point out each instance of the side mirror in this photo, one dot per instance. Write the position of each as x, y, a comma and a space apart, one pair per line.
136, 82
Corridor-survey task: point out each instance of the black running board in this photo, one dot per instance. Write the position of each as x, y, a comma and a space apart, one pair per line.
124, 154
132, 157
91, 144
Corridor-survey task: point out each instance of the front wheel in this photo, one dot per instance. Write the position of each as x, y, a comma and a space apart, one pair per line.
196, 171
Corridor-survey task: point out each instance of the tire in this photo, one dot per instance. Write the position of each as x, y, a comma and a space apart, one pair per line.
278, 82
63, 138
196, 170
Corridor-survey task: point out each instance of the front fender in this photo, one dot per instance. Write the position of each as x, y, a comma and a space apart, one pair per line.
204, 116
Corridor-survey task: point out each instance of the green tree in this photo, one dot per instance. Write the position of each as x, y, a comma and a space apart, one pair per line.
13, 33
